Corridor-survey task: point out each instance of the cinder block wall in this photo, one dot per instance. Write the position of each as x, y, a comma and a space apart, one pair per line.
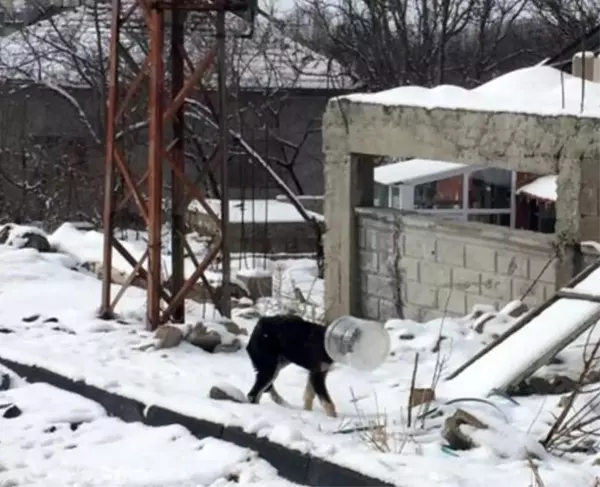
426, 267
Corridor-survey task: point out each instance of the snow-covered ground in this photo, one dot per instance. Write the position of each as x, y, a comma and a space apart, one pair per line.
371, 435
62, 440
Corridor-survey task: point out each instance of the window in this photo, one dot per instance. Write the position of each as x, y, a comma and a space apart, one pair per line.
396, 202
381, 196
445, 194
490, 189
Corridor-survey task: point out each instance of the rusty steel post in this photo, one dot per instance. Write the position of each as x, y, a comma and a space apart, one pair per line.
224, 144
155, 158
106, 310
178, 162
145, 191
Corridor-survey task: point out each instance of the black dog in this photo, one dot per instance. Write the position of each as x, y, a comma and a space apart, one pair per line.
280, 340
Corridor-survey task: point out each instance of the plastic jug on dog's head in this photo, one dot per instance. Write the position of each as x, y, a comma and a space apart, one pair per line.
360, 344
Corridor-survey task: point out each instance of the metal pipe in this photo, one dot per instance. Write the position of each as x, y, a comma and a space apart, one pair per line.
178, 163
106, 310
155, 150
224, 140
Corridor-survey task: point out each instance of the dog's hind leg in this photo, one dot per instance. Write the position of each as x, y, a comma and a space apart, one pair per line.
317, 381
265, 375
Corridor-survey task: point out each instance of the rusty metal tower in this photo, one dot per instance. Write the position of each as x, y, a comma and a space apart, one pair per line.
165, 116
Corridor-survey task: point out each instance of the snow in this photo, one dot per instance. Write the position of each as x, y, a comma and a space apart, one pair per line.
543, 188
62, 439
107, 354
256, 210
532, 90
407, 172
63, 50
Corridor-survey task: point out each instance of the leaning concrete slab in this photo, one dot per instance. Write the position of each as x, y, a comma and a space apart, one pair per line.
357, 128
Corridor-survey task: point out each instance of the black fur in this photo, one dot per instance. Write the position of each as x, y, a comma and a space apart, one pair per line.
277, 341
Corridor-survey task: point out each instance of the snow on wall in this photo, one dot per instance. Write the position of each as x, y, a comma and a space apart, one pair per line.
65, 50
536, 90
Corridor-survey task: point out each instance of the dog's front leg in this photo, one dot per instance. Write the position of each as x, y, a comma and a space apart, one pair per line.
317, 380
309, 395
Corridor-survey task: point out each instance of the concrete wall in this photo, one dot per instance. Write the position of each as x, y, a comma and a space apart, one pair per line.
426, 267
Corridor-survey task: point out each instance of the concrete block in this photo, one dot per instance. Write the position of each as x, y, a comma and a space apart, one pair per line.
480, 258
495, 286
537, 264
420, 246
381, 286
511, 264
520, 286
433, 273
453, 301
409, 268
369, 261
451, 252
473, 299
378, 239
421, 294
370, 307
466, 280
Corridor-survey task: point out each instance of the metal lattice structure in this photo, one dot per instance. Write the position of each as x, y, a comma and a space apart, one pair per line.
165, 116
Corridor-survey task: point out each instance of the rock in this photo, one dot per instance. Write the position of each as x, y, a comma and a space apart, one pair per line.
30, 318
421, 396
12, 411
406, 336
230, 347
558, 384
220, 394
4, 382
168, 336
6, 331
232, 327
201, 337
455, 438
24, 238
212, 341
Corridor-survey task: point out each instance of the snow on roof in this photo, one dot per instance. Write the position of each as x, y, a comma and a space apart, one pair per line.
416, 170
259, 211
543, 188
537, 89
64, 50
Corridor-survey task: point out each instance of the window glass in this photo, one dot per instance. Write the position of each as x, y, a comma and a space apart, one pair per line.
490, 188
443, 194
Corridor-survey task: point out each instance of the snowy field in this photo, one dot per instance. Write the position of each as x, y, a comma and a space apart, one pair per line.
60, 332
52, 438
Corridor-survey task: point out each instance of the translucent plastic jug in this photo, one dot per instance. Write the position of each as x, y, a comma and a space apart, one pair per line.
360, 344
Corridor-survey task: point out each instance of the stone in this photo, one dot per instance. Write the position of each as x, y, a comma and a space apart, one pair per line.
22, 238
168, 336
5, 382
203, 338
12, 411
421, 396
219, 394
455, 438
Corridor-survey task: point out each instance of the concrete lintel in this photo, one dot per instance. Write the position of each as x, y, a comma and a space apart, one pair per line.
524, 142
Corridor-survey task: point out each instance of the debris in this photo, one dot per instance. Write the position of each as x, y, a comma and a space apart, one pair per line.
421, 396
168, 336
455, 438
